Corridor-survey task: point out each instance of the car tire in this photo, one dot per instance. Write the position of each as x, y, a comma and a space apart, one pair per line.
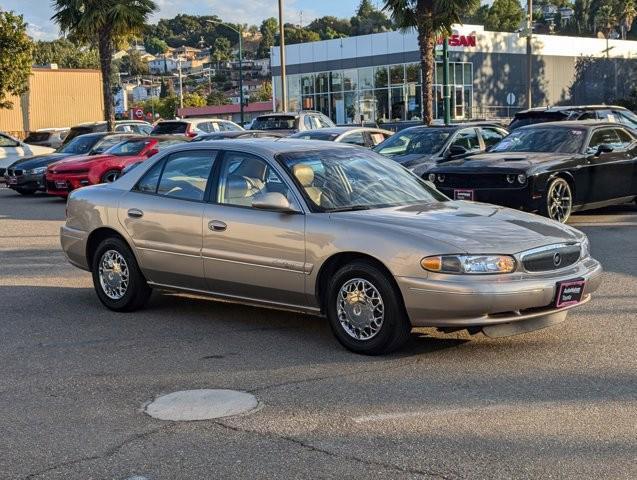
118, 280
346, 313
558, 201
111, 176
25, 192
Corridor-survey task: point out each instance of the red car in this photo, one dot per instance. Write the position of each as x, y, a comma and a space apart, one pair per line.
67, 175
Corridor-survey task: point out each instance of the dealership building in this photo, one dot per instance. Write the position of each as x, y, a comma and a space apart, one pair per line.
377, 77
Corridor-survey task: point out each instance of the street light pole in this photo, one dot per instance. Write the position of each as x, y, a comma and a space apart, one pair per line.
284, 89
529, 54
446, 90
181, 84
241, 75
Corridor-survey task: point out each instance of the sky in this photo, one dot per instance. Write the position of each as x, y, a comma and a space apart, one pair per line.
38, 12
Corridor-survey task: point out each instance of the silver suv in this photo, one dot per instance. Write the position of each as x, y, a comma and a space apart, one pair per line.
292, 122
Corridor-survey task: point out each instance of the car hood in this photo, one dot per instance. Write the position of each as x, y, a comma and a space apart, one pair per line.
503, 161
412, 159
39, 161
83, 161
468, 227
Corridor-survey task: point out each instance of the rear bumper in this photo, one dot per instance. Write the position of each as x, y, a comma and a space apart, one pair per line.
479, 301
74, 246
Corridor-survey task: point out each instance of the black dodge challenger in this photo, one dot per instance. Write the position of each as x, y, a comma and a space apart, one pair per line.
552, 168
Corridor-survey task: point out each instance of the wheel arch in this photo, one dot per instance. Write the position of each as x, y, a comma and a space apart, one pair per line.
96, 237
334, 262
565, 175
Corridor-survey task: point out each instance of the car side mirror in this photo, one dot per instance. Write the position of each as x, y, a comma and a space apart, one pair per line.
151, 152
456, 151
273, 201
603, 148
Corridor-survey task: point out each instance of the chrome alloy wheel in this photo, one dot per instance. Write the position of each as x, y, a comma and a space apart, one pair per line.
360, 309
560, 201
114, 274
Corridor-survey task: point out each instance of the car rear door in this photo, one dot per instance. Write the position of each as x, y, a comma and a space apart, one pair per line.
610, 173
163, 216
252, 253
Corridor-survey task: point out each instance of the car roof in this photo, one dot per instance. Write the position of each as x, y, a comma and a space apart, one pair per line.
117, 122
341, 130
588, 124
455, 126
568, 108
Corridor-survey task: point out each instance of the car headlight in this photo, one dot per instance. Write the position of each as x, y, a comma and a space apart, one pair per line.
511, 178
441, 178
469, 264
585, 247
521, 179
37, 171
432, 177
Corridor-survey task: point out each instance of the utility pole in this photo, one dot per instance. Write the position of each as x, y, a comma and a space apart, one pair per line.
241, 72
284, 89
181, 84
446, 88
529, 54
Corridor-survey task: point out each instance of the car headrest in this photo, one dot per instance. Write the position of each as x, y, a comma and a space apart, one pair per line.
304, 174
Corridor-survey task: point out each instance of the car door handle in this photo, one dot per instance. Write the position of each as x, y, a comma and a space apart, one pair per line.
217, 225
135, 213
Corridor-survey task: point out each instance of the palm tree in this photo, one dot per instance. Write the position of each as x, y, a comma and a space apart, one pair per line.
430, 18
628, 15
605, 20
102, 23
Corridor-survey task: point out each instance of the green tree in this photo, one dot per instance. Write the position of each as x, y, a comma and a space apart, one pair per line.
167, 88
504, 16
133, 64
65, 54
627, 15
269, 28
194, 100
222, 50
155, 46
329, 27
430, 18
369, 19
605, 20
477, 16
299, 35
263, 93
103, 23
16, 57
582, 16
217, 98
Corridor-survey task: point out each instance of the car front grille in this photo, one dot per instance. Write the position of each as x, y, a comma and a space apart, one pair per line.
14, 172
470, 180
551, 258
2, 172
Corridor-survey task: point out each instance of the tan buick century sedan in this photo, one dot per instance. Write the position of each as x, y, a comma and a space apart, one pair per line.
330, 230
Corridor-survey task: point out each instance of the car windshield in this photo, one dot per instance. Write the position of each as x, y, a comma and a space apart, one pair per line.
420, 141
79, 145
348, 179
274, 122
629, 118
170, 128
107, 143
128, 148
543, 140
315, 135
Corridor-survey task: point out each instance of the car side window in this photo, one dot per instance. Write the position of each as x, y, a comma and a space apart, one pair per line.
205, 127
8, 142
491, 136
355, 138
625, 138
467, 139
606, 116
324, 122
606, 136
244, 176
182, 175
307, 121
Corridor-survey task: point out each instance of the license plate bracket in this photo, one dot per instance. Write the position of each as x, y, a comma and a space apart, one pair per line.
463, 194
60, 184
569, 292
13, 180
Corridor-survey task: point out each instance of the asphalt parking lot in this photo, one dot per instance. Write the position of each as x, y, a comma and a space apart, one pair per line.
74, 379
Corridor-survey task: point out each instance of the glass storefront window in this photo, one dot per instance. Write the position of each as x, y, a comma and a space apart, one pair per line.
321, 82
350, 79
380, 77
294, 87
337, 108
307, 102
413, 72
367, 106
336, 81
468, 74
294, 104
414, 102
307, 84
366, 78
381, 96
458, 73
397, 103
323, 104
351, 112
397, 74
468, 102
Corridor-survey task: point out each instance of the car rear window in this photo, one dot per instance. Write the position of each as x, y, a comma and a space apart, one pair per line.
316, 135
541, 117
170, 128
37, 137
274, 122
77, 131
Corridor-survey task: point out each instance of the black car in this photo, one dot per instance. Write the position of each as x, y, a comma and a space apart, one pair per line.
202, 137
121, 126
603, 113
26, 176
422, 147
552, 168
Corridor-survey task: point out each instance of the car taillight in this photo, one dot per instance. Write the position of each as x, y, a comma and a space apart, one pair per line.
189, 132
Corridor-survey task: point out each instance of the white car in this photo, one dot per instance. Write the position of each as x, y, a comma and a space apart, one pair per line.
191, 127
12, 149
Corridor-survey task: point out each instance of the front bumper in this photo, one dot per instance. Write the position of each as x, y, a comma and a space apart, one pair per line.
517, 198
62, 184
463, 301
73, 243
26, 182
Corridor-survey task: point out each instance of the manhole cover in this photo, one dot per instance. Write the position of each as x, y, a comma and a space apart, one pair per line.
191, 405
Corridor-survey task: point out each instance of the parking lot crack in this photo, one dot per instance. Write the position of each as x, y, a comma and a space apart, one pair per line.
370, 463
114, 450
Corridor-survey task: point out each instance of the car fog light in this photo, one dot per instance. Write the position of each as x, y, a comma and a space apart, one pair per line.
441, 178
511, 178
469, 264
432, 177
522, 179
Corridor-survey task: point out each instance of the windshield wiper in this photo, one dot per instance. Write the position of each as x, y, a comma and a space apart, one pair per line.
349, 209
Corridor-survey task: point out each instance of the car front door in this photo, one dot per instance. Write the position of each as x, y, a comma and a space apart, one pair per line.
610, 172
253, 253
163, 216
